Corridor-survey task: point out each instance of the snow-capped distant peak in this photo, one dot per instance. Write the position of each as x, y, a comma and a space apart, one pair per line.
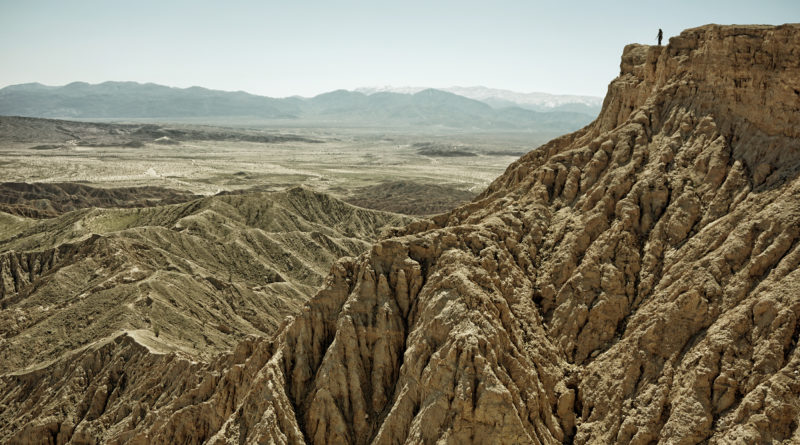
535, 98
499, 97
389, 89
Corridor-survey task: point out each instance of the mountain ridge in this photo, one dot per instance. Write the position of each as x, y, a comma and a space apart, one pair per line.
428, 107
501, 98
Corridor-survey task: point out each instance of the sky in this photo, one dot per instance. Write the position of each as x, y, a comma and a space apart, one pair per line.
298, 47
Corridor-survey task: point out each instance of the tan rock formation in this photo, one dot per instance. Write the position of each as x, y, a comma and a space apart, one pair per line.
637, 281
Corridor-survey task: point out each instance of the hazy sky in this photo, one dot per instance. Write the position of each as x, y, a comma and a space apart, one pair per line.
283, 48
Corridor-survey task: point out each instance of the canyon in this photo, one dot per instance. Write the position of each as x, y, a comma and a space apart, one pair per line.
636, 281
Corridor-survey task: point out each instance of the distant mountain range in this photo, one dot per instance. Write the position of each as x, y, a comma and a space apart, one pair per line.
477, 108
506, 98
135, 100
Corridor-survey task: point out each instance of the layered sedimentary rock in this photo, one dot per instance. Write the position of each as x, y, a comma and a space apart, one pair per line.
637, 281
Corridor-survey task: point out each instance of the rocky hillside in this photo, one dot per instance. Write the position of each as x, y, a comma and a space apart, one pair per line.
195, 277
409, 197
47, 200
634, 282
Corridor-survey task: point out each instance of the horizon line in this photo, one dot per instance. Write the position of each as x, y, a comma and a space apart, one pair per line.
365, 87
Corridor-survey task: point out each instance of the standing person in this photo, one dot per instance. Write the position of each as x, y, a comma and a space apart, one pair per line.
660, 36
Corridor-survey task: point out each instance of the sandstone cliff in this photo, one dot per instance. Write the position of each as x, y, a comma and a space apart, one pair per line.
637, 281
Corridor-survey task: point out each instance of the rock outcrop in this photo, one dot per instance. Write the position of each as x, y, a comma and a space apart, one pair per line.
637, 281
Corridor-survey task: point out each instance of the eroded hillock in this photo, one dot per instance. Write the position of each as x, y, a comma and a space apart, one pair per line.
409, 197
633, 282
46, 200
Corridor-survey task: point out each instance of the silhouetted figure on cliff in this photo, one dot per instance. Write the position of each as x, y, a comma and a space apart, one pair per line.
660, 36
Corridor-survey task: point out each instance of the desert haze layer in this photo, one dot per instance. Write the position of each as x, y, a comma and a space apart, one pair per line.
385, 170
636, 281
